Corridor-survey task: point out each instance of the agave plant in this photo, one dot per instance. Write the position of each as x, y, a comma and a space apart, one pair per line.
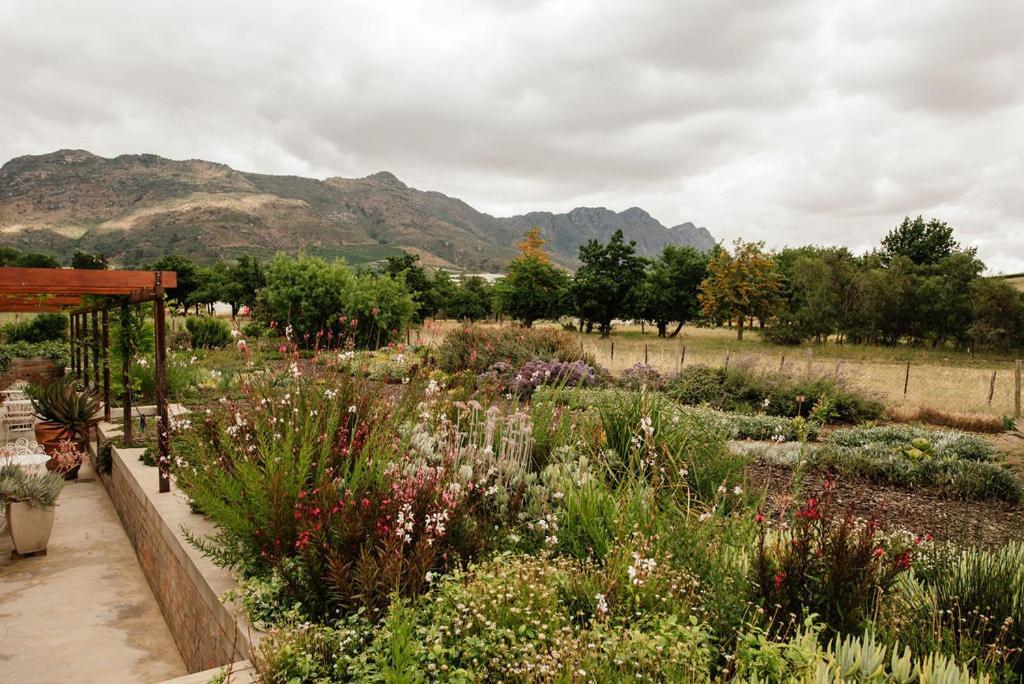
64, 403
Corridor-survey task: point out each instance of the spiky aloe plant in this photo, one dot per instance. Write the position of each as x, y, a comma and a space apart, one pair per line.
63, 402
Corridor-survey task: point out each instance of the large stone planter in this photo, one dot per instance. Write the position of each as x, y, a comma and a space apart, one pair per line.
30, 527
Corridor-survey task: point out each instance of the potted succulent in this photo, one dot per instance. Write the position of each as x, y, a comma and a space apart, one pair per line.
28, 499
66, 413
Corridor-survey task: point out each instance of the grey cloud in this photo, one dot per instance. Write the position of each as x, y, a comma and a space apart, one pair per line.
788, 121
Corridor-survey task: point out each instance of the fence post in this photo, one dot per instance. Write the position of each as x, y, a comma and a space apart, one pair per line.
906, 380
992, 388
1016, 390
728, 353
613, 350
682, 357
645, 354
782, 363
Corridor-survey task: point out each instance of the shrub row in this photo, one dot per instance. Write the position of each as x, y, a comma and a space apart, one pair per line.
825, 399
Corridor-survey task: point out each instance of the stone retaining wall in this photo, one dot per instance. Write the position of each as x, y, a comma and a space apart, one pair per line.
187, 586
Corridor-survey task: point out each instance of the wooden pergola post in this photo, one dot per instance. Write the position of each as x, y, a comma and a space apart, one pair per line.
71, 341
126, 381
163, 424
84, 323
96, 349
106, 365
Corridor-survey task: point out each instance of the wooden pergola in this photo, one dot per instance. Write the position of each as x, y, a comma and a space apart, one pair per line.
37, 290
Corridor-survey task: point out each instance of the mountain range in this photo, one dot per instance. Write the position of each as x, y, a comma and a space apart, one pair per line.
136, 208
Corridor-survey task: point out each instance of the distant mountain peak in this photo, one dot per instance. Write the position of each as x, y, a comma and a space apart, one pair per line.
135, 208
386, 178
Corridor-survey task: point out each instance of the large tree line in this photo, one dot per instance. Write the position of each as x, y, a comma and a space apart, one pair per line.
919, 287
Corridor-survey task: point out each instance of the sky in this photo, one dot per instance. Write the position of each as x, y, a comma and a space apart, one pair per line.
788, 121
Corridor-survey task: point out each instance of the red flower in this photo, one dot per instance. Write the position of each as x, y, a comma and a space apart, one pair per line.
879, 552
903, 561
779, 579
759, 518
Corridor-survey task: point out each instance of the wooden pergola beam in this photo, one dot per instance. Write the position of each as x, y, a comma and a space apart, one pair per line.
53, 289
16, 280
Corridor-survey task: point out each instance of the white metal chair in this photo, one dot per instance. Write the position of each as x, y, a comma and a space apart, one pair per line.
16, 420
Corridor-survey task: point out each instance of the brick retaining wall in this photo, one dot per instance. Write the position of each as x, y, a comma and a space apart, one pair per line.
36, 371
187, 586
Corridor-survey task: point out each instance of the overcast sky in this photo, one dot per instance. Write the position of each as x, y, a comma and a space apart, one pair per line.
791, 122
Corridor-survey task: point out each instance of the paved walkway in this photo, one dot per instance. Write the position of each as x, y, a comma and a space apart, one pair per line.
84, 612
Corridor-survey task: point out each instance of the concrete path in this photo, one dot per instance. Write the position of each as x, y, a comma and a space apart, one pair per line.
84, 612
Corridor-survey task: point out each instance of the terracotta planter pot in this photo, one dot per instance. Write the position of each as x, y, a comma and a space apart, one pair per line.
30, 527
49, 434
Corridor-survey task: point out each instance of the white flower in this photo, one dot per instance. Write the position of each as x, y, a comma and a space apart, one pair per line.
737, 490
722, 489
352, 408
602, 604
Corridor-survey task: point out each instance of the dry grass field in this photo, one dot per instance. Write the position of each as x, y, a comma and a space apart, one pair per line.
945, 380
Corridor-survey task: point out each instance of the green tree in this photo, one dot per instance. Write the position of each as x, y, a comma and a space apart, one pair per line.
211, 285
670, 289
742, 285
470, 300
607, 283
533, 288
440, 293
416, 281
924, 243
186, 271
319, 299
997, 316
37, 260
88, 261
243, 280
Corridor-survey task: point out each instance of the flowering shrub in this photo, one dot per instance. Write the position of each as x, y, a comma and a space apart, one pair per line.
477, 348
349, 496
642, 375
533, 374
827, 563
527, 618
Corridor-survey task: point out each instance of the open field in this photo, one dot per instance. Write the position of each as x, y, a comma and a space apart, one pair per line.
941, 379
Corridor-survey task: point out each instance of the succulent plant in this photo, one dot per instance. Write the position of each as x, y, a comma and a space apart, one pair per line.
39, 490
64, 403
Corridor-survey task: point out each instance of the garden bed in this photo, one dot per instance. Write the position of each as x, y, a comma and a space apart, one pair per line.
920, 511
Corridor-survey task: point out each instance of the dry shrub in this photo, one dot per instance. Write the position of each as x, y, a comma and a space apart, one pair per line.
968, 422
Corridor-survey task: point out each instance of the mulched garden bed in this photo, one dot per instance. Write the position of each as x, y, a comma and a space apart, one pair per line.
920, 511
